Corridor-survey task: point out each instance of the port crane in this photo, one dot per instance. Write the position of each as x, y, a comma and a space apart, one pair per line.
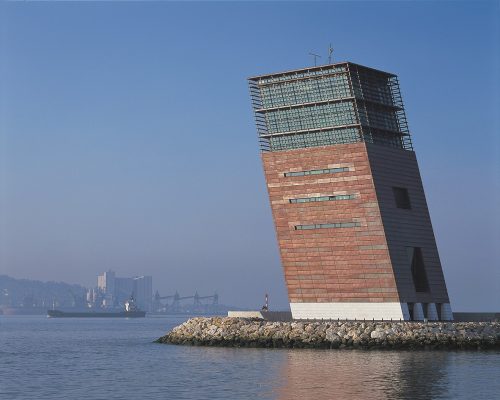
198, 298
175, 305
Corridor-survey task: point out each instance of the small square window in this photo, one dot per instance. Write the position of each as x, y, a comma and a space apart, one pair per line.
402, 197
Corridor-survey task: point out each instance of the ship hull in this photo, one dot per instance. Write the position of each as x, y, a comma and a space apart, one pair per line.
94, 314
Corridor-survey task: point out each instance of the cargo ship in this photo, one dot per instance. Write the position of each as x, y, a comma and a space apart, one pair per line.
131, 311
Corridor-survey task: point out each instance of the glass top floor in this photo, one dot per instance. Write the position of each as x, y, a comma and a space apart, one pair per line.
328, 104
311, 71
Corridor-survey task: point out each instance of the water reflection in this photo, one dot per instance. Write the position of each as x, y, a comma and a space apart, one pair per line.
353, 374
116, 359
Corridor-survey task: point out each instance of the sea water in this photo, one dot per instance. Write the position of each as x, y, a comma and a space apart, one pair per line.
82, 358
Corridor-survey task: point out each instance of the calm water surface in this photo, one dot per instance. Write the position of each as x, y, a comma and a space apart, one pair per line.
43, 358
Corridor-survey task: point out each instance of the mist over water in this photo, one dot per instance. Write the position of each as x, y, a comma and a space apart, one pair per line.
116, 359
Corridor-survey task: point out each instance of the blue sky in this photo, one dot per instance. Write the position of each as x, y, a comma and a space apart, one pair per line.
127, 138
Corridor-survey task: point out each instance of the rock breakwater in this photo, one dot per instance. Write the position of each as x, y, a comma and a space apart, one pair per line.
243, 332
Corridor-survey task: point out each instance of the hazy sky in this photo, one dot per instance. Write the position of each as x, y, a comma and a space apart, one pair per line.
127, 139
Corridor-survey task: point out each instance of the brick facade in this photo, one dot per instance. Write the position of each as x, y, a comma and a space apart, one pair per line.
365, 263
335, 264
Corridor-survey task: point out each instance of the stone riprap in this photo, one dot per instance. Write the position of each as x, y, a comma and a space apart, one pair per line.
244, 332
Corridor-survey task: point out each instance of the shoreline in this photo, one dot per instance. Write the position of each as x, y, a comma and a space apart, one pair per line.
246, 332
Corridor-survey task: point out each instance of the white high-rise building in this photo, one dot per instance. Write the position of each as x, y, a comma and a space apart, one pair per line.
106, 285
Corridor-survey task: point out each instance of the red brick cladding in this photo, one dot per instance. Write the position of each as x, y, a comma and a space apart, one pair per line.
332, 264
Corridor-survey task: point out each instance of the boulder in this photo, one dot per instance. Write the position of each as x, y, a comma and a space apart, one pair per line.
245, 332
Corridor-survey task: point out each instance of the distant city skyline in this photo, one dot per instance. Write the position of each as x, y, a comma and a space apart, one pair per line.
127, 141
113, 291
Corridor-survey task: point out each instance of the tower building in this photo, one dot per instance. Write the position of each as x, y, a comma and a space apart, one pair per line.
349, 208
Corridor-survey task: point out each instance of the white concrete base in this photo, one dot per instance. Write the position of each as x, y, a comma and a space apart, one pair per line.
359, 311
245, 314
406, 311
446, 313
418, 312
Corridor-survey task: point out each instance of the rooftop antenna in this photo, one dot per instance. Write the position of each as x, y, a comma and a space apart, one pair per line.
315, 57
330, 52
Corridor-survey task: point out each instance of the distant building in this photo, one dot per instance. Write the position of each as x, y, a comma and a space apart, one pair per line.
92, 295
106, 282
352, 222
124, 287
113, 291
143, 292
106, 285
